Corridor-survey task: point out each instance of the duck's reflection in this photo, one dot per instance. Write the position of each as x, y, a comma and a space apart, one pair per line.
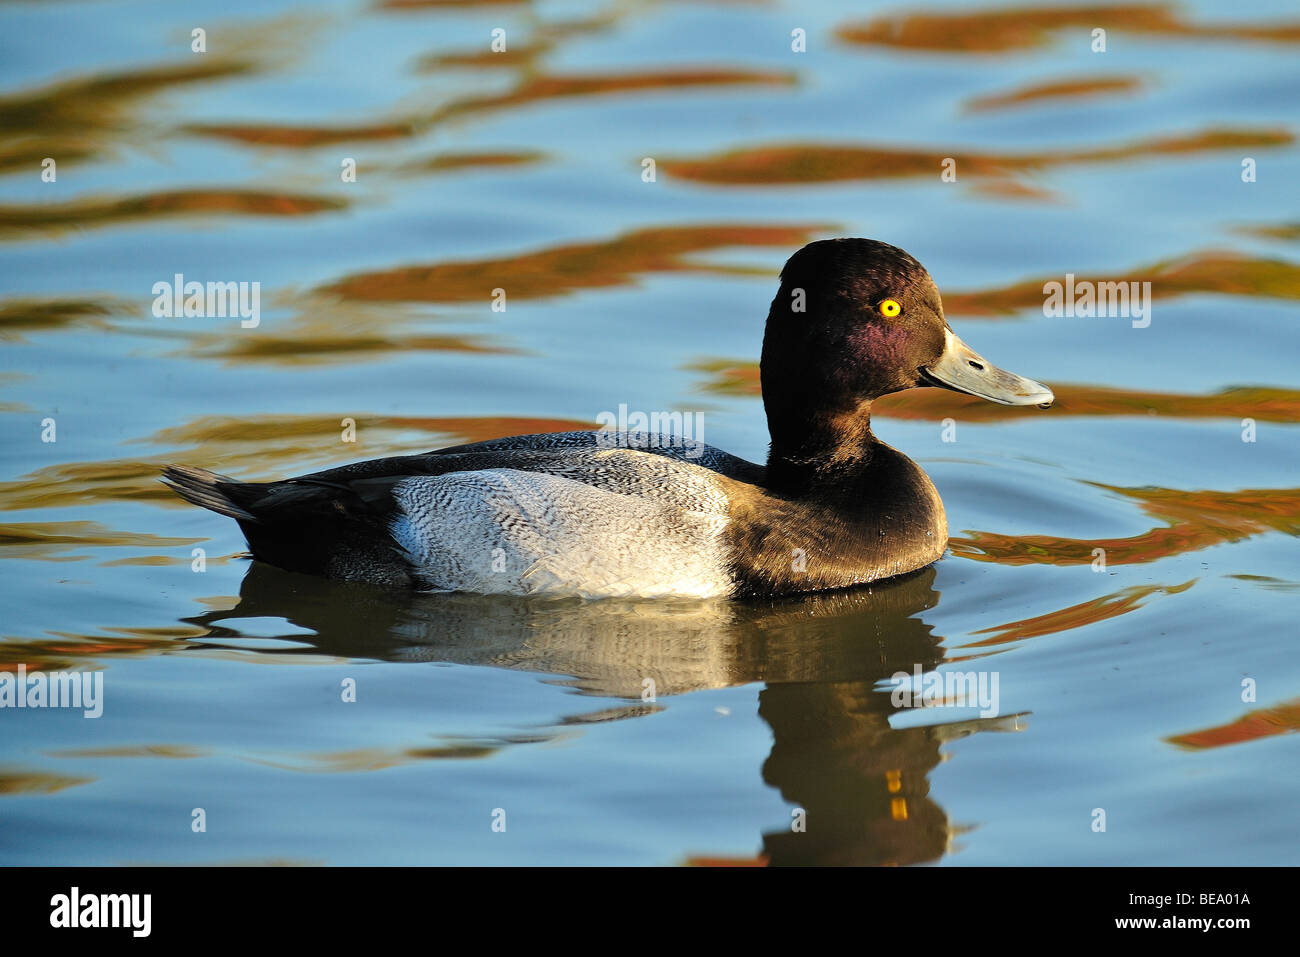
861, 783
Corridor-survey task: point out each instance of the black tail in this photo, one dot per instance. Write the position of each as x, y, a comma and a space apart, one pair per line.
210, 490
306, 524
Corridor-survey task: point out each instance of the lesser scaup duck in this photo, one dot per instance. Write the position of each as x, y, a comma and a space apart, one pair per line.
601, 514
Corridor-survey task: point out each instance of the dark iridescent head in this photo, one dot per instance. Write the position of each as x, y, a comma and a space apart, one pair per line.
856, 319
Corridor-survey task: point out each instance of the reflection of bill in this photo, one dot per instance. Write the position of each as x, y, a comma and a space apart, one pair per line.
946, 689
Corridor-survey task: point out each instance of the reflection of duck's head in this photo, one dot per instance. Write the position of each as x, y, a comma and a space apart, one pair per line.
856, 319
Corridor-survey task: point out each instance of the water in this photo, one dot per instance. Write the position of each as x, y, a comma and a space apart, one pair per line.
1162, 689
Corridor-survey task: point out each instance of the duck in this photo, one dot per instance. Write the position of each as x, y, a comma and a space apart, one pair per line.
609, 514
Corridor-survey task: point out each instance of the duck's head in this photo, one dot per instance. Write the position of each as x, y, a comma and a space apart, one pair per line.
856, 319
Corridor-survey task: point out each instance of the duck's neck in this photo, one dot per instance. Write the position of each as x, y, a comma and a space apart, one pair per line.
823, 449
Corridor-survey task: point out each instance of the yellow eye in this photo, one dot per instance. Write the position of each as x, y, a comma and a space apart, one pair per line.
890, 308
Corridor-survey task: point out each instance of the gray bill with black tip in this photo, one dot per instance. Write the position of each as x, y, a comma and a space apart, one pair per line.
962, 369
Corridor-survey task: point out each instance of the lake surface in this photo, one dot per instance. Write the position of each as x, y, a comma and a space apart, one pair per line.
1125, 564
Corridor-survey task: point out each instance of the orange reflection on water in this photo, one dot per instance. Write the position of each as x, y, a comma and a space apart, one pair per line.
324, 331
16, 221
1265, 404
1198, 519
260, 447
266, 433
1273, 231
1073, 88
15, 781
557, 270
783, 164
1262, 723
64, 650
543, 37
76, 120
1261, 403
43, 315
1076, 616
451, 162
299, 137
533, 89
1018, 28
375, 759
174, 751
48, 541
1229, 273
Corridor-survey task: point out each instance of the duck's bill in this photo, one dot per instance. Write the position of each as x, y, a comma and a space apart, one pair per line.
962, 369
